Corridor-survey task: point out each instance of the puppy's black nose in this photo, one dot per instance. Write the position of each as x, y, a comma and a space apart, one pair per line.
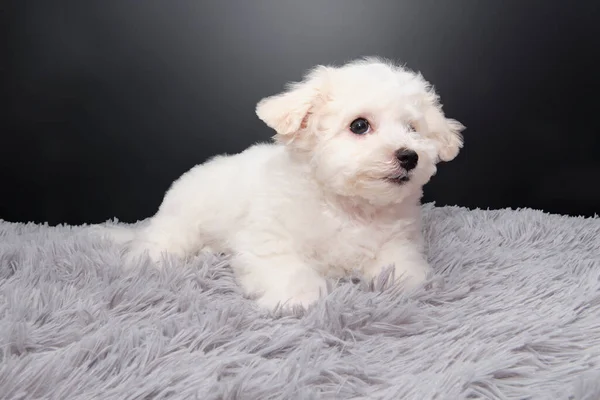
408, 158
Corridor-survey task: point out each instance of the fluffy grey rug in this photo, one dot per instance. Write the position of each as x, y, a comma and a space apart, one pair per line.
513, 313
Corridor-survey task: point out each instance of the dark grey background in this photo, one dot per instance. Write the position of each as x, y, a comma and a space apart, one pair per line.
107, 102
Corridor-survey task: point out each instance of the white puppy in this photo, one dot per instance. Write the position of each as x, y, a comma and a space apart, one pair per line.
338, 191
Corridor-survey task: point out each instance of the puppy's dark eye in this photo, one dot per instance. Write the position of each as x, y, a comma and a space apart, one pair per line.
360, 126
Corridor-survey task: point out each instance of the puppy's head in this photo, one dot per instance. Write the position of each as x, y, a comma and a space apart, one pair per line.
368, 129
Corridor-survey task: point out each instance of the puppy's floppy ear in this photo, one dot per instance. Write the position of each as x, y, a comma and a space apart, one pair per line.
287, 112
445, 131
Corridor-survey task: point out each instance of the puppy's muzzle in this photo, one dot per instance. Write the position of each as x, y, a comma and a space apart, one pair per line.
408, 158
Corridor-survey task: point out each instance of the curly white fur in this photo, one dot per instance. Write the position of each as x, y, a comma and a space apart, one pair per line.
318, 202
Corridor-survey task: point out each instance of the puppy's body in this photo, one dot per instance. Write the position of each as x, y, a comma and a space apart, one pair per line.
332, 195
285, 234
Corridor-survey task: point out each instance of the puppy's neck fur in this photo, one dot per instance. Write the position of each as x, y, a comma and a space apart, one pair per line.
355, 207
361, 210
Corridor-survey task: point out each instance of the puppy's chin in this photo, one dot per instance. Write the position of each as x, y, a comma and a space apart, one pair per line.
398, 190
398, 187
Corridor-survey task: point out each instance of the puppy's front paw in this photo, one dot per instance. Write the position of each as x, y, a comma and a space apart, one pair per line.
281, 281
410, 267
411, 274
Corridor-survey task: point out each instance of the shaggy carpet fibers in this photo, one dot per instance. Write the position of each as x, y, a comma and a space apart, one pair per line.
513, 312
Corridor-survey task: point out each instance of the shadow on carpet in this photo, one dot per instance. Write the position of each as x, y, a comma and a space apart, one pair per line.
512, 313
